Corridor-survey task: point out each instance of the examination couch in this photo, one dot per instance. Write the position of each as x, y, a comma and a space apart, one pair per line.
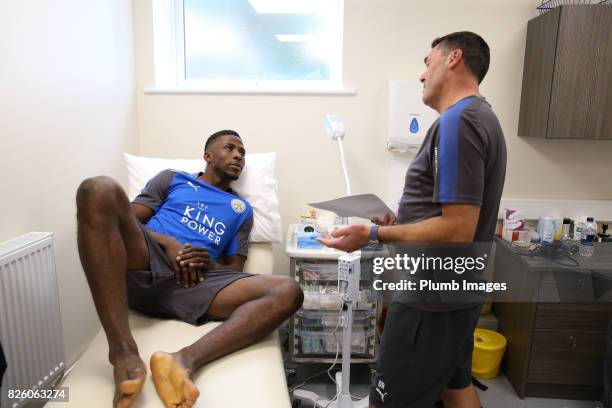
250, 378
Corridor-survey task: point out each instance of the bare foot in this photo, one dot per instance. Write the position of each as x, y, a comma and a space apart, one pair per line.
172, 380
130, 373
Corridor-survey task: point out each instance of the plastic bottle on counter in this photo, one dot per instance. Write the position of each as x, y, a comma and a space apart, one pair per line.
565, 230
603, 236
578, 225
546, 229
587, 237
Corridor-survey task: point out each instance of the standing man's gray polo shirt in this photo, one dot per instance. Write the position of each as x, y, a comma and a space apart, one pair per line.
461, 161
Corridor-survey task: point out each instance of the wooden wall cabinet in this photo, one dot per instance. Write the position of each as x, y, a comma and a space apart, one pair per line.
567, 76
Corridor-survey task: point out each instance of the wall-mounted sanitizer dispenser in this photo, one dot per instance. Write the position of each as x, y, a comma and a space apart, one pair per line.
409, 117
409, 120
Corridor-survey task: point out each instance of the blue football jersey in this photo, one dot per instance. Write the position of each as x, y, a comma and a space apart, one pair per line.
197, 213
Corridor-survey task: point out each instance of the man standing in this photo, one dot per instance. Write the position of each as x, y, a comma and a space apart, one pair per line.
452, 194
177, 251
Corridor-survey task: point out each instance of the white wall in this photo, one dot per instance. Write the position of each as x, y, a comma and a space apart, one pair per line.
67, 111
383, 39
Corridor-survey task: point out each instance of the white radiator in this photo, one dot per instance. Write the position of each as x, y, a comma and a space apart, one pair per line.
30, 324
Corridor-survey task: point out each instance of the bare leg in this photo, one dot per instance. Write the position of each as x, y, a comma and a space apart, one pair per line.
111, 242
253, 307
462, 398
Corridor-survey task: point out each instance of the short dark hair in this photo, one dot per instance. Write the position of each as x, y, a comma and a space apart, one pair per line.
216, 135
475, 50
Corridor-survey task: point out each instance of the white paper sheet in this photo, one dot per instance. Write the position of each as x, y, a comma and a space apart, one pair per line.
365, 206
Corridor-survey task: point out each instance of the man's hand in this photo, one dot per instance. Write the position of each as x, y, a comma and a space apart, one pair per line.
193, 262
389, 219
171, 247
347, 239
189, 263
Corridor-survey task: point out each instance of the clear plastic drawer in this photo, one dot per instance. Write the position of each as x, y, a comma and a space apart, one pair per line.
326, 342
318, 271
327, 320
328, 298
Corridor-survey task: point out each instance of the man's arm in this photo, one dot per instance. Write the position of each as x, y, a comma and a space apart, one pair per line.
144, 214
170, 244
194, 262
189, 263
238, 248
146, 204
456, 224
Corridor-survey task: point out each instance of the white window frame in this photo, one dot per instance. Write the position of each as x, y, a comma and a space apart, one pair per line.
169, 60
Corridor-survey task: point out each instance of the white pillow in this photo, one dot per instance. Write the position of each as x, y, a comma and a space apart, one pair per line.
257, 185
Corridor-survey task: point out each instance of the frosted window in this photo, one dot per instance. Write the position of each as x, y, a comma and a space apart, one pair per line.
262, 39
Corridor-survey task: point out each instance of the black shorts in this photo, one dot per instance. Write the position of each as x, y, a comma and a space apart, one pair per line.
422, 353
155, 292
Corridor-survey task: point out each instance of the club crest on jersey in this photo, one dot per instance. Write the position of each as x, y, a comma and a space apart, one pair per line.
238, 206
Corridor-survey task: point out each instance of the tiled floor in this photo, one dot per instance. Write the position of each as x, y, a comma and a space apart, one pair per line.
499, 395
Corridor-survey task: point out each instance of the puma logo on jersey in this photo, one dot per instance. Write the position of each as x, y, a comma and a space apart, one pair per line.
193, 185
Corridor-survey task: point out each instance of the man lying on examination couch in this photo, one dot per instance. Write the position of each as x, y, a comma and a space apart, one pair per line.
177, 251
